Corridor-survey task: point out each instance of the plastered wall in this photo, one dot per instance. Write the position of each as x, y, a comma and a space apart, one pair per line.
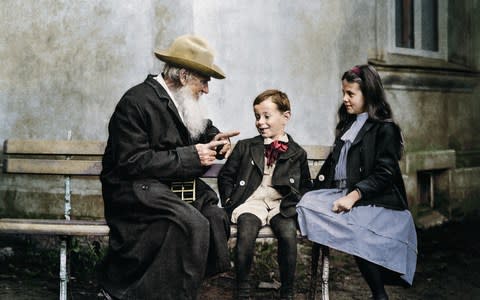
67, 63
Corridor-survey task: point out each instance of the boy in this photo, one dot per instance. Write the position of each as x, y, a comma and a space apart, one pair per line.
260, 184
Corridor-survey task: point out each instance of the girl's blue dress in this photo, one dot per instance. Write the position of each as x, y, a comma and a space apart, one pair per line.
383, 236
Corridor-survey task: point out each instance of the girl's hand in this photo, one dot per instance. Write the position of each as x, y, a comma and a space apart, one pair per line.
346, 202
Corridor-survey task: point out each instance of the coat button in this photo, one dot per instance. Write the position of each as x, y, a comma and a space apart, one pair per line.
321, 177
242, 182
144, 187
252, 162
292, 180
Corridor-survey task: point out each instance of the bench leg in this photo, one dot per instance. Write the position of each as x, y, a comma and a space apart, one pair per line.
314, 267
63, 269
325, 271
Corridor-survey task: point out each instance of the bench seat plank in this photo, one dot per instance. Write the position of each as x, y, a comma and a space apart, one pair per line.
82, 227
53, 227
264, 233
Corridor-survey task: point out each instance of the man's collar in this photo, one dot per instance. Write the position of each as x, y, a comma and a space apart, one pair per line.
162, 82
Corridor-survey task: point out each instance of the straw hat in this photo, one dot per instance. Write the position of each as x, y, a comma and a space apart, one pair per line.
191, 52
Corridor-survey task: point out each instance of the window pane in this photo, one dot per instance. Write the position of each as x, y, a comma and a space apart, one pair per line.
430, 25
404, 23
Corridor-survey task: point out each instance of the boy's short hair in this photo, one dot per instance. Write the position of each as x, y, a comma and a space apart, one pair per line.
278, 97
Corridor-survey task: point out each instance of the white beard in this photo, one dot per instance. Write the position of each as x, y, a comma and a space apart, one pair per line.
192, 111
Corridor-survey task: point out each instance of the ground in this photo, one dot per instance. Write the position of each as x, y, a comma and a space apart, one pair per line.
448, 268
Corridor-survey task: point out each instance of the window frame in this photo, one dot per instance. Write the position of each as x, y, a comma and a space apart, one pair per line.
442, 52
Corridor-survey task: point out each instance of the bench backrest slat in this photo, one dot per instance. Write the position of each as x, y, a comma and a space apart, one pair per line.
22, 157
315, 155
317, 152
53, 167
54, 147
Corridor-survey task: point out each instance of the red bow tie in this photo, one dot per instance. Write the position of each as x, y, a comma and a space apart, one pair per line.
273, 150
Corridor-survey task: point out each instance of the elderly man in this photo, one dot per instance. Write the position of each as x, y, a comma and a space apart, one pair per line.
166, 231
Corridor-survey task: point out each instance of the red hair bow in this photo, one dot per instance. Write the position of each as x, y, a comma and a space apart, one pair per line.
356, 70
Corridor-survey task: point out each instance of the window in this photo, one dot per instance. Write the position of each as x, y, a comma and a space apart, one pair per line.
419, 27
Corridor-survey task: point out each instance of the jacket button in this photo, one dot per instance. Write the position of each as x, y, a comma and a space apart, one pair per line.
242, 182
252, 162
144, 187
321, 177
292, 180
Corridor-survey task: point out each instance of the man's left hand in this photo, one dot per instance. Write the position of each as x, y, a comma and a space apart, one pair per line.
226, 149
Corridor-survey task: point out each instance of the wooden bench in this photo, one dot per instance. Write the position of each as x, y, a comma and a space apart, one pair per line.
83, 158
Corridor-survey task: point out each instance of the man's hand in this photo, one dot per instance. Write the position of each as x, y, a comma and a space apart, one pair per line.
207, 152
346, 203
225, 149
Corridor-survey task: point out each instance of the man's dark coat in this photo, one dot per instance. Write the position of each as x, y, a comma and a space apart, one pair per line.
160, 247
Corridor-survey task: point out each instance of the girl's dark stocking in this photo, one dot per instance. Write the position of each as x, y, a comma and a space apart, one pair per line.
373, 275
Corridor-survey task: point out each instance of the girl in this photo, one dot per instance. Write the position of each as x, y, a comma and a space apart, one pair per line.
360, 205
260, 184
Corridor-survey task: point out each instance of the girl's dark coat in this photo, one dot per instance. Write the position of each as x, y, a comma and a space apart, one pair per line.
243, 173
372, 166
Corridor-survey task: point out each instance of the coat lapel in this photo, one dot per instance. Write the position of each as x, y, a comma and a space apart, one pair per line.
292, 149
258, 153
162, 94
366, 127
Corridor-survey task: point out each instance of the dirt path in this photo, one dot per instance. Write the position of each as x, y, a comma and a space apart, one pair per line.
448, 268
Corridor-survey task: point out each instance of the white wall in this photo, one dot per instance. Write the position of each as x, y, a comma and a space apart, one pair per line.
294, 46
67, 63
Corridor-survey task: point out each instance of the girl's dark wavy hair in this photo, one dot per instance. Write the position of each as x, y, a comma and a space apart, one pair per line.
378, 108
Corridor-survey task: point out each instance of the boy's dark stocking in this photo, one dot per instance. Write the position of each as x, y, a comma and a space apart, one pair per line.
285, 230
373, 275
248, 226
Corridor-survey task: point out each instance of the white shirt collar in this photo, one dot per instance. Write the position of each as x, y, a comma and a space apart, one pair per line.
162, 82
283, 138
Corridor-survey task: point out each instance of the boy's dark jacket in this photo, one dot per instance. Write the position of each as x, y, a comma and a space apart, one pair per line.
372, 166
243, 172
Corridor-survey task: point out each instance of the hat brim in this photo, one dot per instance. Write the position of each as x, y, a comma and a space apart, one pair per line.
213, 71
